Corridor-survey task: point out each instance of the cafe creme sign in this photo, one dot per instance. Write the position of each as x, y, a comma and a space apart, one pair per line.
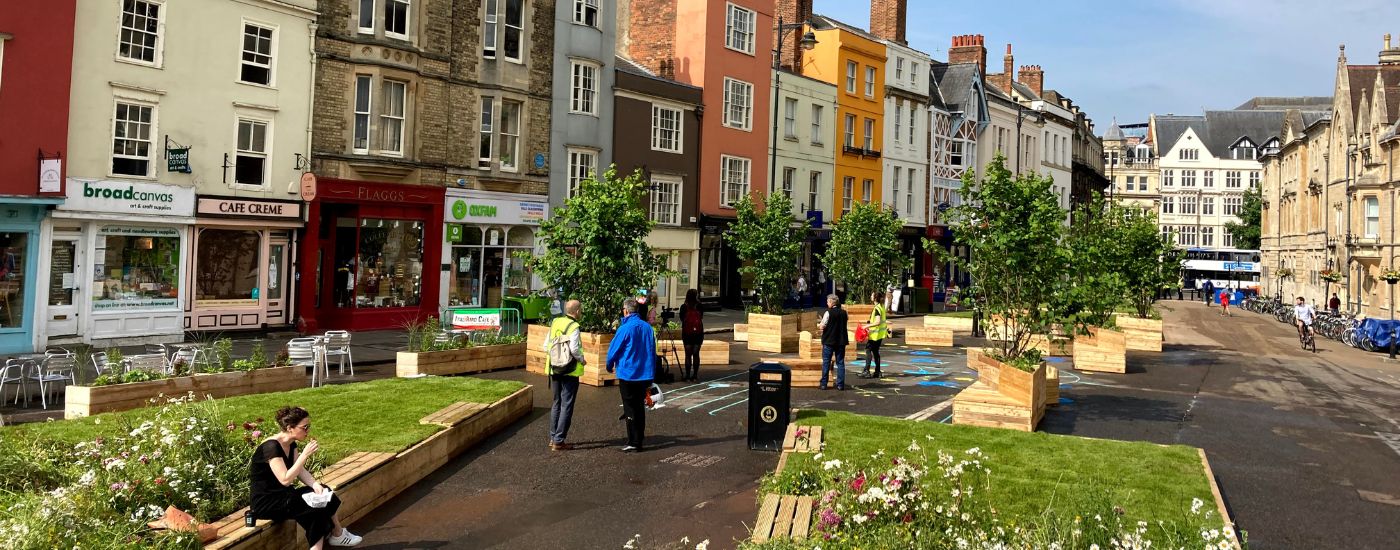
249, 208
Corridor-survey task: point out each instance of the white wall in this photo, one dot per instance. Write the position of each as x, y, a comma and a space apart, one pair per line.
804, 152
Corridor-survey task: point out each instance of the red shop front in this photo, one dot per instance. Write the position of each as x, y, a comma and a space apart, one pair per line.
371, 254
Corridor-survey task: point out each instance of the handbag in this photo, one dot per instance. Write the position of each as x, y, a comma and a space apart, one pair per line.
862, 334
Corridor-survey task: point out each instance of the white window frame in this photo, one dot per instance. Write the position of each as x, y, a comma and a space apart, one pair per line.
1189, 153
265, 154
729, 106
1372, 206
1233, 179
360, 17
848, 188
814, 182
899, 119
271, 65
790, 118
150, 138
158, 55
1207, 205
1232, 206
1208, 178
1188, 178
748, 33
869, 134
817, 114
385, 116
852, 73
579, 171
490, 27
486, 132
1254, 178
659, 115
672, 216
869, 81
1207, 235
850, 140
895, 190
583, 100
1167, 177
407, 19
789, 178
1189, 204
581, 8
1168, 204
506, 27
867, 190
914, 74
731, 192
913, 123
510, 137
909, 193
367, 114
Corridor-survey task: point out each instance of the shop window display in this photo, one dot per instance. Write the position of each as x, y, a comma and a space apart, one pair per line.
485, 267
391, 263
12, 281
227, 266
140, 268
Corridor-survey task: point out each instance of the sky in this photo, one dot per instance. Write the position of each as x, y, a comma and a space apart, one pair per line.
1130, 60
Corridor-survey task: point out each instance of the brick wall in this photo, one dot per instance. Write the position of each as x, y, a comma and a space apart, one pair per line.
792, 11
969, 48
1033, 77
888, 19
651, 35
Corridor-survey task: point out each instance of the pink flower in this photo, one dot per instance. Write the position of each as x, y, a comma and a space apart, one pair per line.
829, 518
858, 483
257, 433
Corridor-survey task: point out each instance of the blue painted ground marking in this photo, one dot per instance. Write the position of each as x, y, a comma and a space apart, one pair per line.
924, 372
1065, 400
1066, 387
1056, 359
926, 361
920, 353
939, 383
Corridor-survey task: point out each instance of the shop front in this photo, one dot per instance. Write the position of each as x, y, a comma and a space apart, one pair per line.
486, 232
114, 257
20, 222
242, 273
720, 282
680, 248
369, 258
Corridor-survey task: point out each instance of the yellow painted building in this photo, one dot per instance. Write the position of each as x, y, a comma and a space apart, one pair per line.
855, 62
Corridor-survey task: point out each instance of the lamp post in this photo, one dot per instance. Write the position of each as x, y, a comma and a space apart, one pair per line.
808, 41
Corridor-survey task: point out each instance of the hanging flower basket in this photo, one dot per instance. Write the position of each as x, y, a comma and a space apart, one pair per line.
1329, 275
1285, 273
1391, 276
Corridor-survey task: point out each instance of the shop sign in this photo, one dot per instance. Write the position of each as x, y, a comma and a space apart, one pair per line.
252, 208
137, 231
454, 233
177, 159
496, 211
308, 186
107, 305
50, 175
476, 319
152, 199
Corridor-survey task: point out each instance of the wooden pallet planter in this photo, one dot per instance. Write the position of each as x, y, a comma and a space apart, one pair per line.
365, 481
927, 336
460, 361
783, 517
741, 332
955, 324
84, 401
1102, 350
807, 321
810, 440
809, 346
773, 333
595, 355
712, 352
1052, 345
805, 373
1052, 386
1003, 396
1142, 334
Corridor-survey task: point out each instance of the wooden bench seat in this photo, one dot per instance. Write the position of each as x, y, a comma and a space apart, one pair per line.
811, 442
453, 414
783, 517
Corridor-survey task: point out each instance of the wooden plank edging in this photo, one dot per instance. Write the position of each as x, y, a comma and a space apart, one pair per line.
1219, 500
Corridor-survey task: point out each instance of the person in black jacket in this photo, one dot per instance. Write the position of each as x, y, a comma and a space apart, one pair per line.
692, 335
834, 341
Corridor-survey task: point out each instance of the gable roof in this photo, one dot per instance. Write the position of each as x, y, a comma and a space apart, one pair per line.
952, 85
1362, 79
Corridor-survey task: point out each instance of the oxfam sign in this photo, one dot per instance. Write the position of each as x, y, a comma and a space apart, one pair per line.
129, 198
495, 211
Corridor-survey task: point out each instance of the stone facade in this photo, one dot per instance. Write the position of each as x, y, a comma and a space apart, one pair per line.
1131, 166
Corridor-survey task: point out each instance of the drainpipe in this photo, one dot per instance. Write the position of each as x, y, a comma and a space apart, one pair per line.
293, 296
1346, 245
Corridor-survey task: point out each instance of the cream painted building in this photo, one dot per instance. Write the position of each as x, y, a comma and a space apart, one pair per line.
804, 155
187, 117
906, 156
1131, 166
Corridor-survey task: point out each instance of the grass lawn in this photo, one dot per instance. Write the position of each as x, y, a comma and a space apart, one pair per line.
377, 416
1033, 472
967, 314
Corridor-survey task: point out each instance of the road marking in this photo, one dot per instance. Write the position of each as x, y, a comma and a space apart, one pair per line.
1391, 440
739, 402
930, 411
720, 398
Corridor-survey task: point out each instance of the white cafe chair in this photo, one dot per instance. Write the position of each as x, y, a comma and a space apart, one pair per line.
337, 344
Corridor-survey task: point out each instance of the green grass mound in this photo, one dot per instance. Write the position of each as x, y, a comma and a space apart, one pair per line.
887, 483
964, 314
95, 482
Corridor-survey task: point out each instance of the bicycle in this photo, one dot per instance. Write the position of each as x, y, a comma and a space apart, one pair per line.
1305, 337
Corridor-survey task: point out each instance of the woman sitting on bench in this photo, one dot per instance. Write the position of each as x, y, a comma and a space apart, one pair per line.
276, 465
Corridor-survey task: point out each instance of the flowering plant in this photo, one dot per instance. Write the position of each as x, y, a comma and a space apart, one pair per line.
1285, 273
1329, 275
1391, 275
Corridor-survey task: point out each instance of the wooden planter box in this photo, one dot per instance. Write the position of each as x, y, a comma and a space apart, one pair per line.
1052, 345
89, 400
1142, 334
460, 361
773, 333
1103, 350
858, 314
955, 324
809, 346
595, 355
741, 332
1002, 397
365, 481
928, 336
808, 321
1052, 386
712, 352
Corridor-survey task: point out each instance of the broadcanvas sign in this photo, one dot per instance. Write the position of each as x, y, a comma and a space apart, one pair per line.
129, 198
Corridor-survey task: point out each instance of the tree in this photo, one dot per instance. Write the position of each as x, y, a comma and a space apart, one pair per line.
596, 250
1012, 228
1151, 262
1246, 233
1097, 258
864, 251
769, 244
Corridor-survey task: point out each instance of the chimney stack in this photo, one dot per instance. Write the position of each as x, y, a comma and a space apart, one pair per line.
969, 48
1032, 77
888, 20
1389, 56
1008, 74
792, 11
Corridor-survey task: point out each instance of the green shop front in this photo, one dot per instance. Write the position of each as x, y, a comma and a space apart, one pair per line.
114, 256
485, 232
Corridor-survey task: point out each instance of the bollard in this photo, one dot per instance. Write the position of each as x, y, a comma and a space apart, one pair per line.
977, 324
1392, 344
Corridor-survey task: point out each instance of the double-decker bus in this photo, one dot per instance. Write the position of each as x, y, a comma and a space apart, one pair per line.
1223, 267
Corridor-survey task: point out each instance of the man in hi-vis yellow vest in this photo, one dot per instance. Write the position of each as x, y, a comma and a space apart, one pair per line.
879, 329
563, 334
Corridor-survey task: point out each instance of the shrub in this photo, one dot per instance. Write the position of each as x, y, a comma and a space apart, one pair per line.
769, 244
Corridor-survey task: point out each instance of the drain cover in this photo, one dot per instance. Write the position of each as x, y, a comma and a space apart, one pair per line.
692, 460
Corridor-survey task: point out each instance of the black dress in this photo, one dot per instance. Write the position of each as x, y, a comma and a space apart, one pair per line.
272, 500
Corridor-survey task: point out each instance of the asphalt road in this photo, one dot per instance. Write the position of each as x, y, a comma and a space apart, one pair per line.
1296, 440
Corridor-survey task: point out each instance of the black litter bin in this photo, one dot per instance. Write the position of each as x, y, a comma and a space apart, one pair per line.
770, 395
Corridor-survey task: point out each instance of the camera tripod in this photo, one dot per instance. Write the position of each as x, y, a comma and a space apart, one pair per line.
669, 335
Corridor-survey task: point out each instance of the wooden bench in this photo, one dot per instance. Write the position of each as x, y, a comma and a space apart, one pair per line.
928, 336
453, 414
809, 346
810, 441
783, 517
806, 373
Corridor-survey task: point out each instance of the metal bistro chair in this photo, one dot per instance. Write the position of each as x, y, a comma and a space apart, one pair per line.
308, 352
152, 362
14, 371
337, 344
189, 354
54, 369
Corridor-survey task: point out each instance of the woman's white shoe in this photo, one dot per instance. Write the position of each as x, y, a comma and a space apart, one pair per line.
346, 538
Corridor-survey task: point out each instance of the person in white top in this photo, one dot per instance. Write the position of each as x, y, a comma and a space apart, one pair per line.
1303, 315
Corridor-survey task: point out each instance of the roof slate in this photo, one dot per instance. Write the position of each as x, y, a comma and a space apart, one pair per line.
1302, 103
1362, 79
954, 84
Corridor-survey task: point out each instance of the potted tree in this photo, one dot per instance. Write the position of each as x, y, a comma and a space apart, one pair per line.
1012, 227
595, 251
1150, 263
1097, 284
865, 255
769, 243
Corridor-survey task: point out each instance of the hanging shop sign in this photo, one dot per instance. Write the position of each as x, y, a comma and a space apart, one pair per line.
178, 160
50, 175
128, 198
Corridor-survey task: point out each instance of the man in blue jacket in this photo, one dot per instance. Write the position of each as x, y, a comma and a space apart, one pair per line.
633, 356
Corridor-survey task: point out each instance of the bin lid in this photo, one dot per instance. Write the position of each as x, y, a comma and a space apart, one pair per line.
765, 366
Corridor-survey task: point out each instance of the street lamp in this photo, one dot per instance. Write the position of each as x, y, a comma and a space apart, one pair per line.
808, 41
1021, 114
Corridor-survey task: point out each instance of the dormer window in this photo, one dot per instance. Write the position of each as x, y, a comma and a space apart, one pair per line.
1244, 150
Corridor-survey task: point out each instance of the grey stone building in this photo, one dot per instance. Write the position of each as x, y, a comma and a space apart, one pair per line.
585, 42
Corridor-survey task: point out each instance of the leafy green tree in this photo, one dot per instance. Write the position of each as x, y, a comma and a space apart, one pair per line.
864, 251
596, 250
1151, 263
1246, 233
1012, 227
1097, 282
769, 243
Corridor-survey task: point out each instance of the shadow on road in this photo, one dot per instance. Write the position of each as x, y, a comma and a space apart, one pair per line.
1109, 408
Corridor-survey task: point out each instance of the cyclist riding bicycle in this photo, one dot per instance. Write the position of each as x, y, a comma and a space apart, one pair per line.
1303, 317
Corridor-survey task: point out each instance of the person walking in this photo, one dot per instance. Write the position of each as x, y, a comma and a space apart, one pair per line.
1225, 302
834, 340
1335, 304
692, 335
564, 339
1208, 291
878, 330
633, 356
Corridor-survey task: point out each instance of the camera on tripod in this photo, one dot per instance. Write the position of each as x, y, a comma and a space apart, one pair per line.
667, 314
